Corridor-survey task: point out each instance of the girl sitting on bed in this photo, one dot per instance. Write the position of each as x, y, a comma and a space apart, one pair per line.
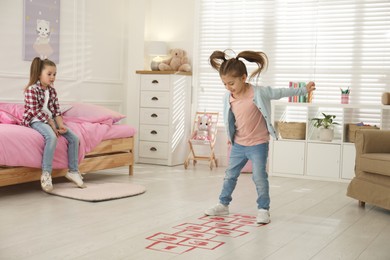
42, 113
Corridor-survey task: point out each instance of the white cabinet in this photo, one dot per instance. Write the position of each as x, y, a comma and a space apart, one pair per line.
285, 162
165, 124
323, 160
312, 158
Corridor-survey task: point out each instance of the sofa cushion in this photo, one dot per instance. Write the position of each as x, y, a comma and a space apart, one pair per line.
376, 162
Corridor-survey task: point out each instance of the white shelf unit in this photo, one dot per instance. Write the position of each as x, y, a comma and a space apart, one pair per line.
312, 158
165, 123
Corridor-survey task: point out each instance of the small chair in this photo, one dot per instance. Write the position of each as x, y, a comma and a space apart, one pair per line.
203, 149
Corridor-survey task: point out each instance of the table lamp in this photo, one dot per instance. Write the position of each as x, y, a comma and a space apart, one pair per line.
156, 49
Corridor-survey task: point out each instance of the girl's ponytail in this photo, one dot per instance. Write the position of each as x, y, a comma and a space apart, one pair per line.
236, 67
35, 71
260, 58
216, 59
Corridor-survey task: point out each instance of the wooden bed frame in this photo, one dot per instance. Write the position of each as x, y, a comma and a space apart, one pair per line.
108, 154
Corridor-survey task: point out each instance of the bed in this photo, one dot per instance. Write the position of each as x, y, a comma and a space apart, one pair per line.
104, 143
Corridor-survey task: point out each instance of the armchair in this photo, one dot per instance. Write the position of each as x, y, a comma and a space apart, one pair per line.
371, 183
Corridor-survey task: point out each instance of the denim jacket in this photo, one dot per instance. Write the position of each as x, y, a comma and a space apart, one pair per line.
262, 100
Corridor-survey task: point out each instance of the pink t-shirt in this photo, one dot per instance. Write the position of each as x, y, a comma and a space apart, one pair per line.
250, 124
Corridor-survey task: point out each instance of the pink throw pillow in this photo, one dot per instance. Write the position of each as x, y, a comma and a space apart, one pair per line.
93, 113
6, 118
11, 113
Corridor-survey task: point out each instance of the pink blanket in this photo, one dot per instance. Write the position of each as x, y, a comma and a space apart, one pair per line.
23, 146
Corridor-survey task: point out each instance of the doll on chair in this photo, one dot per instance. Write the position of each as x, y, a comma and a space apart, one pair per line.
203, 130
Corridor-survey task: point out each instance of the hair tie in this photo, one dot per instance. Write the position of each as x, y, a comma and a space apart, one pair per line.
229, 53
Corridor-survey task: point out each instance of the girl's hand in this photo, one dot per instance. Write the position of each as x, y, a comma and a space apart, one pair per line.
53, 126
62, 130
311, 86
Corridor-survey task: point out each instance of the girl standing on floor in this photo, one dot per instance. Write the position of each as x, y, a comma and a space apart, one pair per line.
42, 113
247, 111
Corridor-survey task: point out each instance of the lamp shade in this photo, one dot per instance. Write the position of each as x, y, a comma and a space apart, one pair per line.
157, 48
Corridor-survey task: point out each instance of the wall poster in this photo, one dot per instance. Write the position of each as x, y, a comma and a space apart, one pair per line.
41, 34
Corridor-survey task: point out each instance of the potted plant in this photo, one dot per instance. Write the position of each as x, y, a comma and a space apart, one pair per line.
325, 125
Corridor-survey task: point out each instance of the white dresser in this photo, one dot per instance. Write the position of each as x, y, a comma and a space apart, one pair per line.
164, 117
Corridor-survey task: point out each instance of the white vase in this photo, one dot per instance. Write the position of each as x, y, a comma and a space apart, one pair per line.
326, 134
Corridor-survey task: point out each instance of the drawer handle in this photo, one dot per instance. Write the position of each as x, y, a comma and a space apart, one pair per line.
153, 149
154, 98
154, 115
153, 132
154, 81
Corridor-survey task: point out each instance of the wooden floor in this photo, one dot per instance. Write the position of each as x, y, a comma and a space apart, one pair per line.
310, 219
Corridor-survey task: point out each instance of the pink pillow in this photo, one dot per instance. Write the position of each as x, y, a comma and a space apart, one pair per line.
11, 113
6, 118
93, 113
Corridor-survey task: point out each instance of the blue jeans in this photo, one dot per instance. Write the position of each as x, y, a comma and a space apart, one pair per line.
50, 146
239, 156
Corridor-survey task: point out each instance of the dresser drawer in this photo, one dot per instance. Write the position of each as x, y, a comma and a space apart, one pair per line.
154, 99
154, 133
153, 150
154, 82
154, 116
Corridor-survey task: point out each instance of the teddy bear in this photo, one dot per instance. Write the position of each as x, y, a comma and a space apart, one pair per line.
178, 61
203, 130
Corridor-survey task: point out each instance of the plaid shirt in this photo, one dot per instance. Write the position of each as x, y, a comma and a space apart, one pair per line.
34, 99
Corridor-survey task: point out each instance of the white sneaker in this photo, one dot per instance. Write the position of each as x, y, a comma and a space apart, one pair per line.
46, 182
263, 217
75, 178
217, 210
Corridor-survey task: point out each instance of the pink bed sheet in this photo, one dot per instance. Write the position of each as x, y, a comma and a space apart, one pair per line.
23, 146
119, 131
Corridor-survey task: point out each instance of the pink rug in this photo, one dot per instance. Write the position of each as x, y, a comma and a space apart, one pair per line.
95, 192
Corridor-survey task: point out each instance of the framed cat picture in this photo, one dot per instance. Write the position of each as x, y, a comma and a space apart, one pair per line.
41, 34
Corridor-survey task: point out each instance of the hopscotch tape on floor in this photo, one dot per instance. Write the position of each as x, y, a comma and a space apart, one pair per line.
202, 235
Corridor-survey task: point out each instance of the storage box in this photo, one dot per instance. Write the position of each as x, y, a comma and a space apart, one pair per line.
292, 130
352, 128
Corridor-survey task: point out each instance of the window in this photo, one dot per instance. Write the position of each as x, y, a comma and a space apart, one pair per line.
336, 43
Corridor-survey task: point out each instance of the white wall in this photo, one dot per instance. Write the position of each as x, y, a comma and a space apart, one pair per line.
171, 21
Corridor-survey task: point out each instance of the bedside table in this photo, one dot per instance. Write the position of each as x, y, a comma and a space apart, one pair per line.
165, 111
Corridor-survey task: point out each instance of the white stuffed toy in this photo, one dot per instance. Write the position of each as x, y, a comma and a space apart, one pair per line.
203, 131
178, 61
